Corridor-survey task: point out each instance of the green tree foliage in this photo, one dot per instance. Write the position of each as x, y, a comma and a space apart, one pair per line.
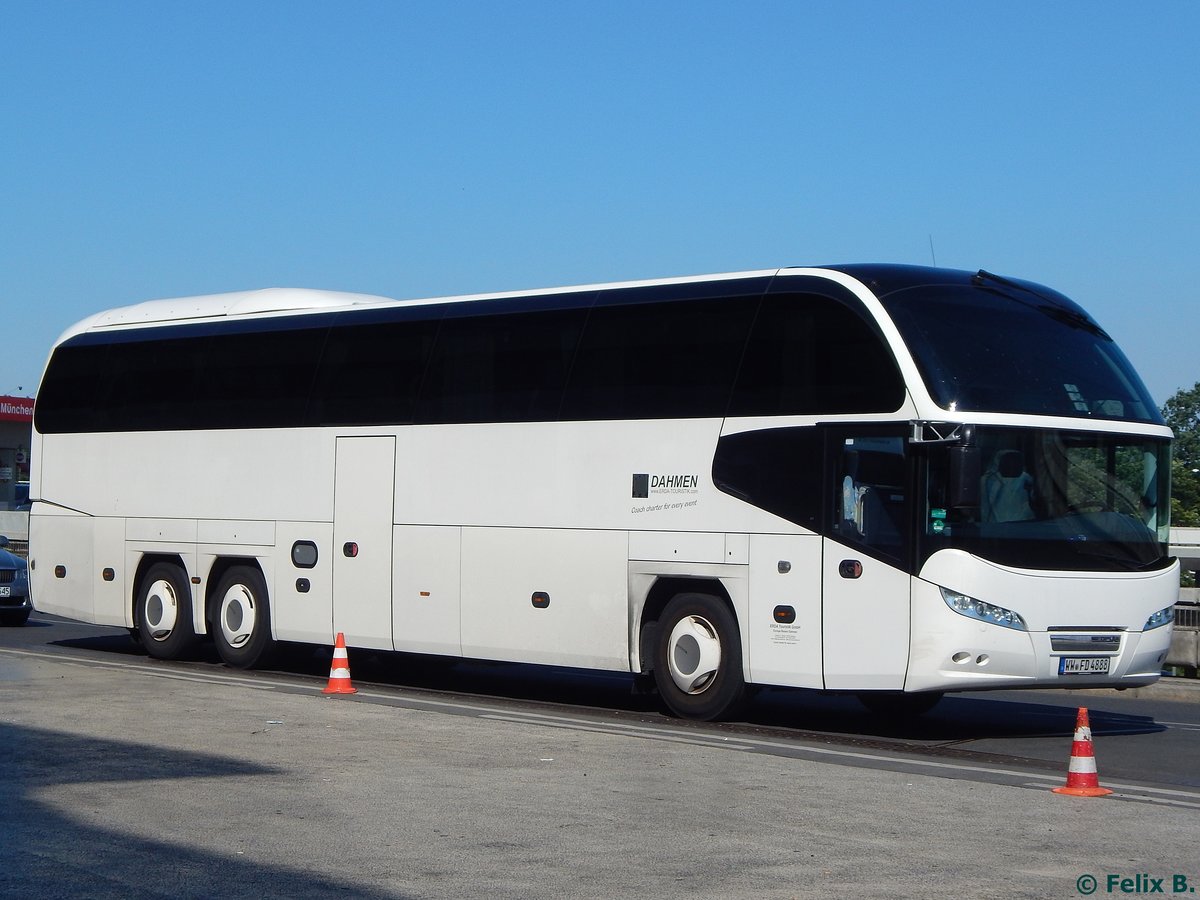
1185, 496
1182, 413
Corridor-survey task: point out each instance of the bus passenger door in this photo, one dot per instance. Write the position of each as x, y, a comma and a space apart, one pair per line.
865, 613
364, 488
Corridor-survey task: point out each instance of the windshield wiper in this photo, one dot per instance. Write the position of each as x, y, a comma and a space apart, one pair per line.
1071, 317
984, 275
1075, 320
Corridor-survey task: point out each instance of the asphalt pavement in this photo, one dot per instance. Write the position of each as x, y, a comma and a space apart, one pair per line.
133, 780
1184, 690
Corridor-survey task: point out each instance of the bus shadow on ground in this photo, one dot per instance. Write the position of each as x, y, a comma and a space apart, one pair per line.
956, 718
47, 852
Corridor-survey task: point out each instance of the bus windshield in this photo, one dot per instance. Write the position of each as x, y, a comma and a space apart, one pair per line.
1049, 499
997, 346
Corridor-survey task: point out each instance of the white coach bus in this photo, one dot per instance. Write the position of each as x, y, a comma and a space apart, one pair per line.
888, 480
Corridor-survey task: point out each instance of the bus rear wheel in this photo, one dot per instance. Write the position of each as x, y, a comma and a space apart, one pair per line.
698, 658
164, 612
242, 618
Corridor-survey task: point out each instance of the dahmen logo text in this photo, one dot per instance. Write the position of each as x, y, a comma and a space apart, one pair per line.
674, 481
644, 484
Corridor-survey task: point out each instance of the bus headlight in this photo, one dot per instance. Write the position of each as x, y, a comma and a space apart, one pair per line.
1160, 618
984, 612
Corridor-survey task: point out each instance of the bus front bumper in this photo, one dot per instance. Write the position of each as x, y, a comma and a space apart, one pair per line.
950, 652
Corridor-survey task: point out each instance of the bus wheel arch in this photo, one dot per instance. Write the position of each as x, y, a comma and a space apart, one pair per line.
691, 640
163, 615
239, 613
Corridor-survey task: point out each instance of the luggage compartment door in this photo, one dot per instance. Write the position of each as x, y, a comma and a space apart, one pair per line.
363, 497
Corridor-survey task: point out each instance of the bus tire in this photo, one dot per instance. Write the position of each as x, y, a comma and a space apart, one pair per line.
898, 706
164, 612
698, 658
241, 618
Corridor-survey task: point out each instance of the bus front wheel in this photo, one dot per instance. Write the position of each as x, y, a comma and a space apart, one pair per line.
164, 612
698, 658
242, 618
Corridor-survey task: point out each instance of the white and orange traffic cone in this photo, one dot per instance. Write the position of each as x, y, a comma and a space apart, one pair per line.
1082, 778
339, 670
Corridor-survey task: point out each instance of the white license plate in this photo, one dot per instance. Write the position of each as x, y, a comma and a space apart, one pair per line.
1083, 665
5, 591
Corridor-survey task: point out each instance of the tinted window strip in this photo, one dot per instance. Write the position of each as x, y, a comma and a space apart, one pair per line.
113, 381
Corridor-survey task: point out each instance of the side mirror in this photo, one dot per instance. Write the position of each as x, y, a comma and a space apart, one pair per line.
965, 474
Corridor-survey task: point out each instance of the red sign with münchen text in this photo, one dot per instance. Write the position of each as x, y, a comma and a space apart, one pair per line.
16, 409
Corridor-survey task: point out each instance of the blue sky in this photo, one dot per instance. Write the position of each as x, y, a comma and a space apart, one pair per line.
157, 149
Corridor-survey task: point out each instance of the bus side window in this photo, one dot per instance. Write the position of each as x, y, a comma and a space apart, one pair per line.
775, 469
871, 497
808, 355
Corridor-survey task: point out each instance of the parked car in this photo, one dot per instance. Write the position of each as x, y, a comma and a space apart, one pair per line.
14, 587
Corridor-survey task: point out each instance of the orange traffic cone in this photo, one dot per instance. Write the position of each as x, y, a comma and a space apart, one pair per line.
339, 670
1082, 778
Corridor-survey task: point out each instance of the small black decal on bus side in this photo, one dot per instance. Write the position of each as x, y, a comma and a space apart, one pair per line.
641, 486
